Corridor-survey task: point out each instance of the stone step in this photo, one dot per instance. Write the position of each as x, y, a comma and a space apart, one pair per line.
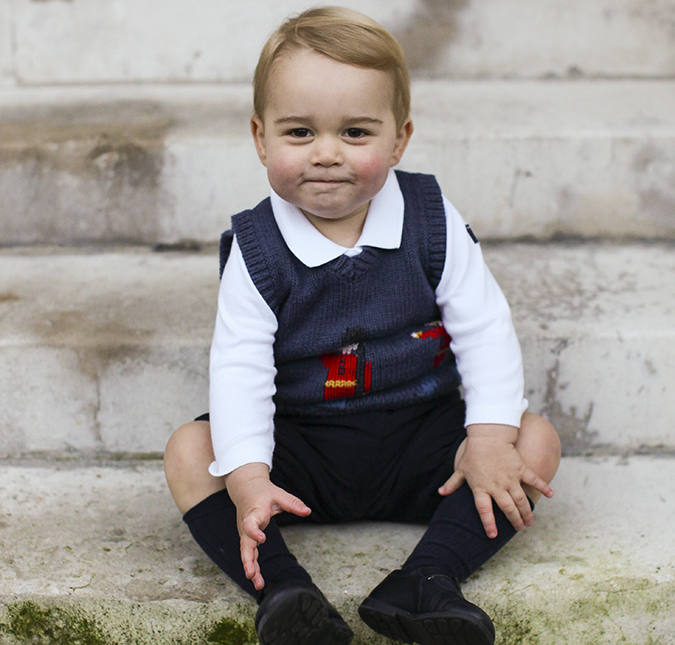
106, 352
164, 165
165, 42
98, 554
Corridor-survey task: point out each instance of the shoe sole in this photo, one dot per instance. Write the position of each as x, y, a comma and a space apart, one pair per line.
425, 629
299, 617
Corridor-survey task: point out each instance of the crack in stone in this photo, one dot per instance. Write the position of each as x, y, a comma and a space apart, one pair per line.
574, 434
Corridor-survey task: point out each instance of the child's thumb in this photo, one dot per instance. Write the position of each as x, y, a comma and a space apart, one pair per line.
292, 504
452, 484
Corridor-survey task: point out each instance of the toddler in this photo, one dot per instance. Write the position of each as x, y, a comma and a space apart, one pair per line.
354, 303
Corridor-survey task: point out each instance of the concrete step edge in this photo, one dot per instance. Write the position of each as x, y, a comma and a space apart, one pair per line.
116, 341
100, 555
222, 41
165, 165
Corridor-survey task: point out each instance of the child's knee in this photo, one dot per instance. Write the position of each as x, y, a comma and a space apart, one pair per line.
540, 445
188, 449
187, 457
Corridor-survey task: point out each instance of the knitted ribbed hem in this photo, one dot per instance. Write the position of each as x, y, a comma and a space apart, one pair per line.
257, 262
224, 249
425, 188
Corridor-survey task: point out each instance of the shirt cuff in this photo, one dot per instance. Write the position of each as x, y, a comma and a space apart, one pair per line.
242, 455
499, 414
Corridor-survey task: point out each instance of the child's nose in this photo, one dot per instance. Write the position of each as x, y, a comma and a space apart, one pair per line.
326, 152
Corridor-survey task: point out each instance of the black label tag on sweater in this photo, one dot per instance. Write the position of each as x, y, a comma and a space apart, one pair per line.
471, 233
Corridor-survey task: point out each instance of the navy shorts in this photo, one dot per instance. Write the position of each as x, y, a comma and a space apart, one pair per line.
382, 465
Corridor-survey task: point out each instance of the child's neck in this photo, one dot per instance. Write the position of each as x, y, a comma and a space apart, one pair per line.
344, 231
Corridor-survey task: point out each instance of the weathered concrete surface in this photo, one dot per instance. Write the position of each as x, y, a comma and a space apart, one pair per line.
529, 39
99, 555
214, 41
151, 164
134, 164
540, 160
108, 351
596, 324
6, 55
103, 351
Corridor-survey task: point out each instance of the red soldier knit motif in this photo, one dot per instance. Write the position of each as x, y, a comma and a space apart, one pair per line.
437, 331
348, 373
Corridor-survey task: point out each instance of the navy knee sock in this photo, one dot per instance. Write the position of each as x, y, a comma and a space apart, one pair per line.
213, 524
455, 543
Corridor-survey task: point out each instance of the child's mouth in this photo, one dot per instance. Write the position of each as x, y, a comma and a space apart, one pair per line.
328, 182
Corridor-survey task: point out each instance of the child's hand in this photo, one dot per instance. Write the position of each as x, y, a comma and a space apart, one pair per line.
257, 499
494, 470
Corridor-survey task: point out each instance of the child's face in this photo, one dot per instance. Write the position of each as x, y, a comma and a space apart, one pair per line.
328, 136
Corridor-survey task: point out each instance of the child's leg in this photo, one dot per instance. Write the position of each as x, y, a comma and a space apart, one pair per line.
293, 611
455, 543
423, 601
212, 517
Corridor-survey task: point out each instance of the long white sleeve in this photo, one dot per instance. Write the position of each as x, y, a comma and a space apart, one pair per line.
478, 319
242, 372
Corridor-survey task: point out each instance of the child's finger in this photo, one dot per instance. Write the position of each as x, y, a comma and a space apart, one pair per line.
252, 526
523, 505
256, 577
258, 581
249, 557
484, 507
250, 565
537, 482
510, 508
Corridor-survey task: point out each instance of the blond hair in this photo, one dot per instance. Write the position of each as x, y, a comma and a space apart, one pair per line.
345, 36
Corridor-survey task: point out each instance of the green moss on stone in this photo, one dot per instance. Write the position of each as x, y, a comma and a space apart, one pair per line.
229, 632
31, 623
516, 628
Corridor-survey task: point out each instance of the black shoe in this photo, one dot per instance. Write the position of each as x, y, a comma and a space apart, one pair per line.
300, 615
426, 608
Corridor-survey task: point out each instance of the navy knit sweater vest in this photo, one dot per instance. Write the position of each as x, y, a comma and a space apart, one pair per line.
357, 333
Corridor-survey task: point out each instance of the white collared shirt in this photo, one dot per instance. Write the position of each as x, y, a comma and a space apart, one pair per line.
473, 308
382, 229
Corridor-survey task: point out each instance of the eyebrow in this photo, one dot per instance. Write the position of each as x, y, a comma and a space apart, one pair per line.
301, 119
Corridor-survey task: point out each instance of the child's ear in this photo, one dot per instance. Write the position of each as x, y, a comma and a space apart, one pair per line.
258, 132
401, 143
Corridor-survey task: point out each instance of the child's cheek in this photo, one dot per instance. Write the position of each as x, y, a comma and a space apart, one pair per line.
283, 172
373, 167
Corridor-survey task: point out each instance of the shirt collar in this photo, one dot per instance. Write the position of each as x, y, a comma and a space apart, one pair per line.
383, 227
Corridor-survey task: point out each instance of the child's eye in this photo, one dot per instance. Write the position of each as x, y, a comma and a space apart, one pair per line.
355, 133
300, 133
